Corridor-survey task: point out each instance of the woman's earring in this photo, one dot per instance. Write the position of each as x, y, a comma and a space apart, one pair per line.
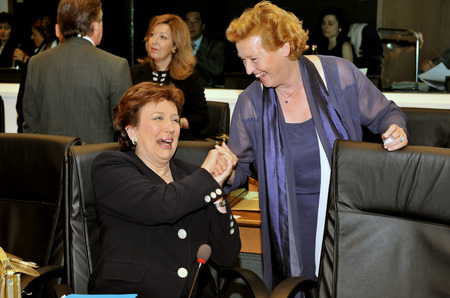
134, 141
174, 50
340, 29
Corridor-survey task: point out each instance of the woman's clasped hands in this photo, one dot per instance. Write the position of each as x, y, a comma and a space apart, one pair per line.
220, 163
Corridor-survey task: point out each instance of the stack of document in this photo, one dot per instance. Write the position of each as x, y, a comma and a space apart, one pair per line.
407, 85
435, 77
246, 201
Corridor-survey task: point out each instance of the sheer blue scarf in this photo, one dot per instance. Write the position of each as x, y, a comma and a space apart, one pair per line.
277, 167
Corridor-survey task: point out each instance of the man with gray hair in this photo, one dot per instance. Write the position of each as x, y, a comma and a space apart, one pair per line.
73, 88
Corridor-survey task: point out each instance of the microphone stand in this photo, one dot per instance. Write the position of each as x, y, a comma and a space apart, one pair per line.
200, 263
204, 251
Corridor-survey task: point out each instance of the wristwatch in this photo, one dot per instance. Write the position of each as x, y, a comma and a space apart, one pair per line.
220, 203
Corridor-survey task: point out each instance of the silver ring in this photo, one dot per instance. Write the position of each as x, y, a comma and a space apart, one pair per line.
402, 139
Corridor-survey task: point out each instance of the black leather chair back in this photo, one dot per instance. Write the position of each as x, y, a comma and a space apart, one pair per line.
387, 232
238, 80
194, 152
2, 115
82, 247
219, 120
426, 127
31, 191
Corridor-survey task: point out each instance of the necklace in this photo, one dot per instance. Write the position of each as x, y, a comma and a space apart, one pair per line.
286, 97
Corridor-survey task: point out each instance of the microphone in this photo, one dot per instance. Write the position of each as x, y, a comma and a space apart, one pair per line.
203, 253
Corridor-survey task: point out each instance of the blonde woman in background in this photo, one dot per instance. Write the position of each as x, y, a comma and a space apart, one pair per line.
170, 60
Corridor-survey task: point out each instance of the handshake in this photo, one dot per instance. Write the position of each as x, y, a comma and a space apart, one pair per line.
220, 163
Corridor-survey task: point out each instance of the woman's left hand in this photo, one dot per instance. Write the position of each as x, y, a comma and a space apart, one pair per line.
394, 138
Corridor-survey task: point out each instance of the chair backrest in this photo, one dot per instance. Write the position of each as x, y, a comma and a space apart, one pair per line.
2, 115
238, 80
426, 127
82, 247
219, 120
387, 231
31, 191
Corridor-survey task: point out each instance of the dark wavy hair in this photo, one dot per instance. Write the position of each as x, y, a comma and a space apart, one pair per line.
6, 17
128, 110
343, 25
76, 16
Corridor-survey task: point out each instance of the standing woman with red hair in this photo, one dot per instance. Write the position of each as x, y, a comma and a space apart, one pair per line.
284, 125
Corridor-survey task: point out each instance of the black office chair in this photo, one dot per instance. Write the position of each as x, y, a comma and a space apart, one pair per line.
81, 230
2, 115
31, 189
219, 122
426, 127
387, 229
81, 233
238, 80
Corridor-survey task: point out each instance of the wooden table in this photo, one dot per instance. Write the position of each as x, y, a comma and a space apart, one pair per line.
249, 221
250, 229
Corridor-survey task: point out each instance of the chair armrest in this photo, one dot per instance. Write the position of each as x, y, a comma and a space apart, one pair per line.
63, 290
46, 274
293, 285
251, 279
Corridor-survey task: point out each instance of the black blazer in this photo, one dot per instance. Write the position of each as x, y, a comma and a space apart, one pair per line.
195, 108
6, 57
150, 231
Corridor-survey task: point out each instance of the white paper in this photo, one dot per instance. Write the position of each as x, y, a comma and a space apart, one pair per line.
363, 70
435, 77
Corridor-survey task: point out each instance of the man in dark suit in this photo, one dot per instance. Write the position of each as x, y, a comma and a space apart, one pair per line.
210, 52
73, 88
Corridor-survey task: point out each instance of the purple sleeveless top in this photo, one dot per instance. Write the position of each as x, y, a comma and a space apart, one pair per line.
305, 155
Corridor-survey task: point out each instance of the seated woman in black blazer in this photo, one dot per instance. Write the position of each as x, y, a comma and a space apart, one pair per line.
155, 211
171, 60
